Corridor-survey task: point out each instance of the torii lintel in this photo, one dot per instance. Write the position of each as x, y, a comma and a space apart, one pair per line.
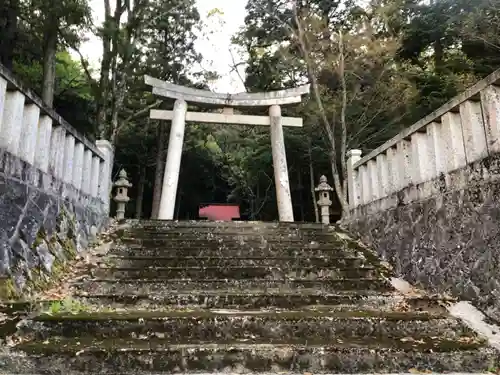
259, 99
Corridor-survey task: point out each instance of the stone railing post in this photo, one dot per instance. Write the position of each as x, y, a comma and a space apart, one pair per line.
353, 178
121, 198
105, 171
324, 201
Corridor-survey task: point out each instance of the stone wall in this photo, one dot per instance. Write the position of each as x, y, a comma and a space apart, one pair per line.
428, 200
449, 242
54, 191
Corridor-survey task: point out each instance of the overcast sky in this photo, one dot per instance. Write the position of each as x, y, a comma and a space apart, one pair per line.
215, 51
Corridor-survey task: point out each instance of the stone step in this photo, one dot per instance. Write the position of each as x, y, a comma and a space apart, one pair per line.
356, 355
258, 299
190, 325
234, 236
233, 251
206, 261
197, 241
234, 272
154, 286
161, 225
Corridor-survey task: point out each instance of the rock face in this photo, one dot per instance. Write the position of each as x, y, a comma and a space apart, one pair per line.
243, 298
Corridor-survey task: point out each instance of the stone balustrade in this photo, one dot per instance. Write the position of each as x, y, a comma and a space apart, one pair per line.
461, 132
55, 187
36, 135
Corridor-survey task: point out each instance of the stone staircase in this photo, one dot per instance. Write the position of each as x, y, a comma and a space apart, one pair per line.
206, 297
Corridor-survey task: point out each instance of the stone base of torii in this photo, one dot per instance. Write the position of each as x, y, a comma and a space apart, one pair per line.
180, 115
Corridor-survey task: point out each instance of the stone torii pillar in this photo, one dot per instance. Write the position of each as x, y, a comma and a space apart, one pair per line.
173, 164
283, 194
179, 116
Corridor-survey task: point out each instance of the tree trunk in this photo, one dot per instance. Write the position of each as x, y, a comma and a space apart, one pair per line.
313, 185
140, 192
119, 95
343, 122
160, 166
49, 65
110, 33
9, 13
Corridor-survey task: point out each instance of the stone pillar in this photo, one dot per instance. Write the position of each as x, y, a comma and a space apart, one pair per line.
435, 148
404, 164
78, 166
69, 155
364, 183
121, 197
383, 175
453, 140
57, 152
94, 183
3, 95
12, 122
421, 167
173, 164
373, 177
87, 172
353, 178
324, 201
105, 171
42, 151
393, 168
283, 194
474, 132
29, 133
490, 102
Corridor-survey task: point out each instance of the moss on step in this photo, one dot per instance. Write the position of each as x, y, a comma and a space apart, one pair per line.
187, 313
7, 289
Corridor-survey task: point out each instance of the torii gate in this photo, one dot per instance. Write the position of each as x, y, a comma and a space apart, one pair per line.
179, 116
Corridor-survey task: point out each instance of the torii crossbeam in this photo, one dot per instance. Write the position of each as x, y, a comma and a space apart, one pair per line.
179, 116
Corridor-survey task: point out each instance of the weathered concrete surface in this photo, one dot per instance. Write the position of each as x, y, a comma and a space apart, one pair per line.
447, 242
43, 223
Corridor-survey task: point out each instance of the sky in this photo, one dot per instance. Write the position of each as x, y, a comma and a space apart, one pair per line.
214, 47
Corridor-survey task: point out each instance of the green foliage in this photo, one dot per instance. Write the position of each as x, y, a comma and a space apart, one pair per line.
403, 58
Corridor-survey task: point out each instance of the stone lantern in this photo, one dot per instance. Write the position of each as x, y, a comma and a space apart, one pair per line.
324, 201
121, 198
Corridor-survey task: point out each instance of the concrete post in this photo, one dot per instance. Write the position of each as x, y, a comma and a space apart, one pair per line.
42, 152
57, 152
353, 178
371, 166
3, 96
87, 172
121, 198
94, 183
453, 141
173, 164
324, 201
283, 194
78, 166
69, 155
12, 122
29, 133
105, 171
490, 103
473, 129
383, 175
435, 148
